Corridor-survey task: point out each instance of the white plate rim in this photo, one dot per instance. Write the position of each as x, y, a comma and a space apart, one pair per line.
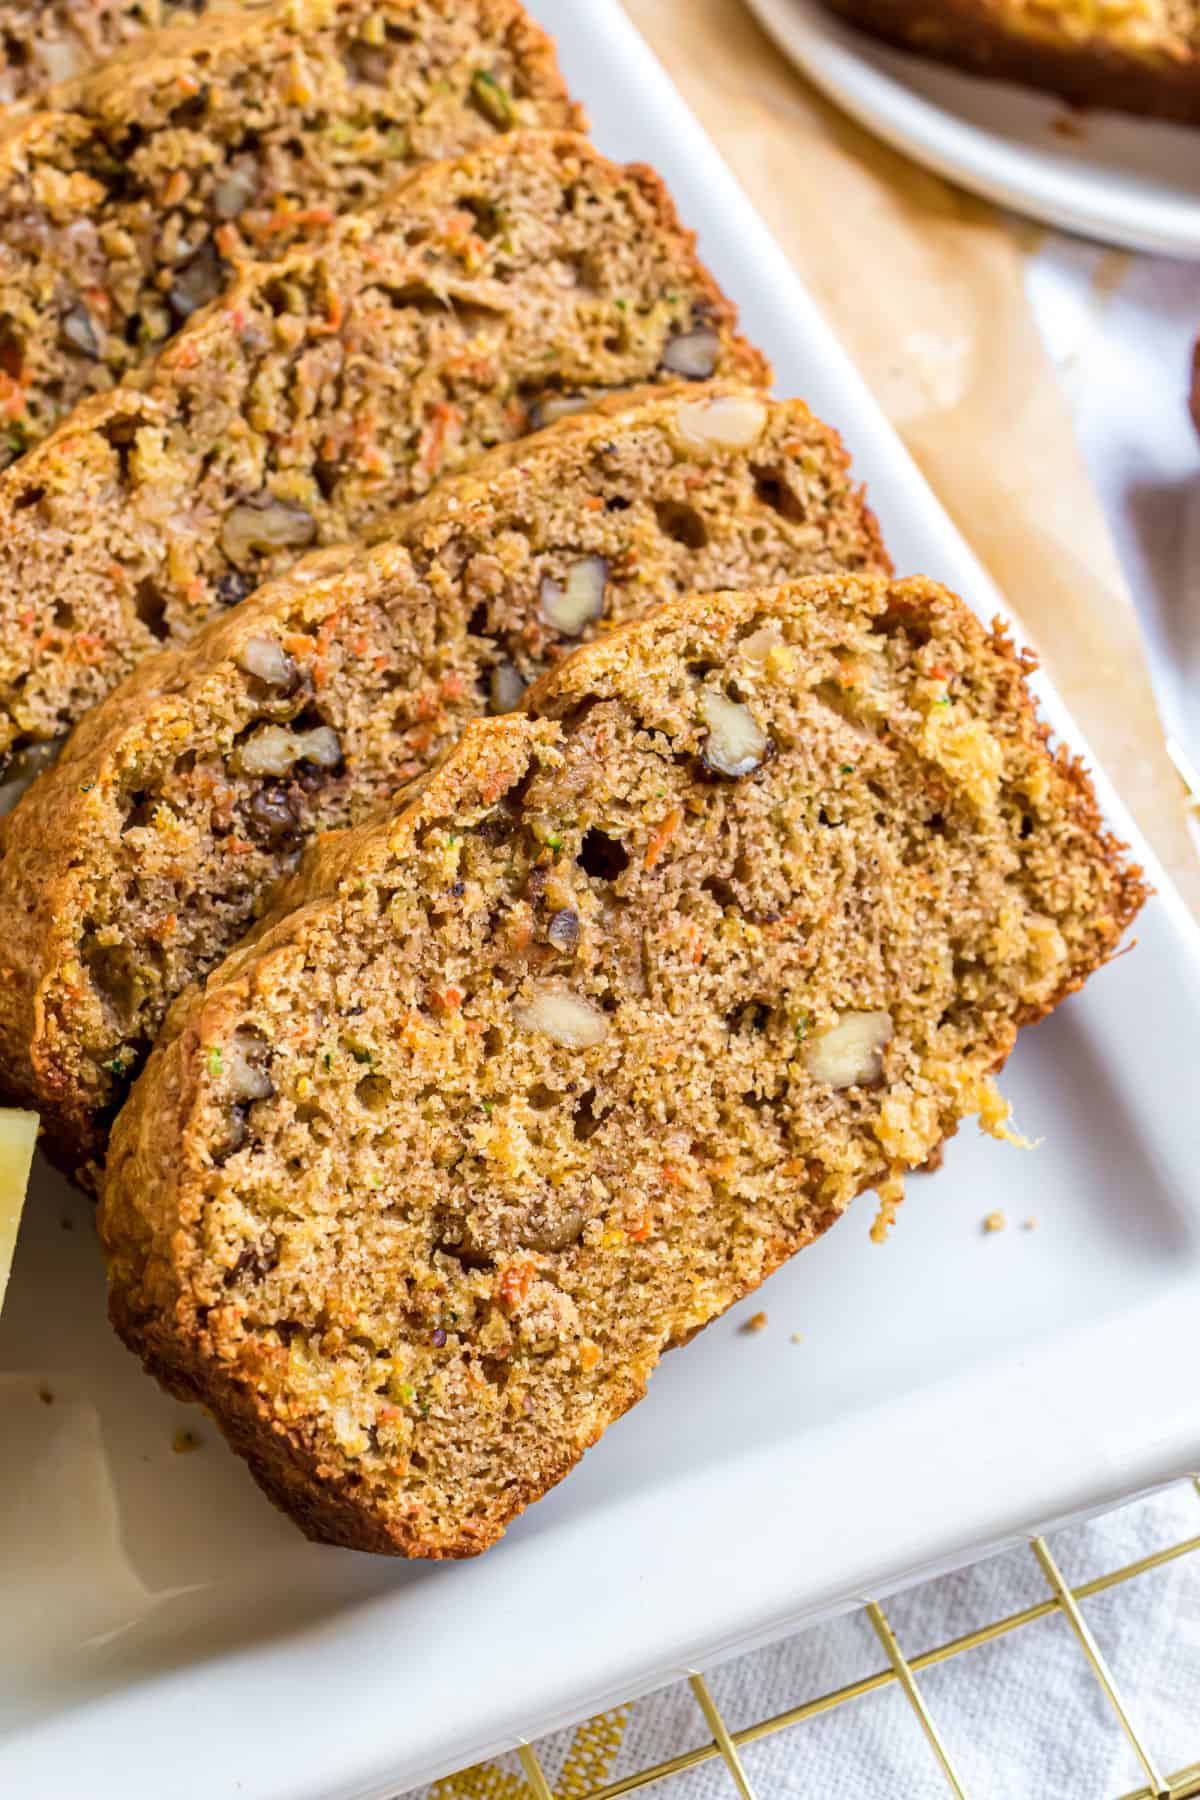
848, 70
276, 1721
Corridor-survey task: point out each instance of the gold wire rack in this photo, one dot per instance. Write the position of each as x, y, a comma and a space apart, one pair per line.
903, 1671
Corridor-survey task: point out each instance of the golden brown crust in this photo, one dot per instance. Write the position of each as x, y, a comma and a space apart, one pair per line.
427, 522
1134, 62
727, 934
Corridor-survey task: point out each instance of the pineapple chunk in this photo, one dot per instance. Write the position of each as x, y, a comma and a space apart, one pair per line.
18, 1134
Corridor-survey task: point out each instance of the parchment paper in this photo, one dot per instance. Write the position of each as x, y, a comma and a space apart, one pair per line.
924, 286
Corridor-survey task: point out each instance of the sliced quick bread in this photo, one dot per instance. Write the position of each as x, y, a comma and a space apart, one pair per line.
125, 210
328, 388
532, 1078
140, 859
52, 41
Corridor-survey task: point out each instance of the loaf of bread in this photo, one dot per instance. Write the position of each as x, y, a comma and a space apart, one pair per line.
1140, 56
533, 1077
125, 210
325, 389
140, 859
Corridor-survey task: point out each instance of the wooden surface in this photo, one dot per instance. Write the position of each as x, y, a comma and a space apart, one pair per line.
924, 286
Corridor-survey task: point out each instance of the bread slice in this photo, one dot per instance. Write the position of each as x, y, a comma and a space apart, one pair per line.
141, 858
328, 388
530, 1079
126, 208
55, 40
1139, 58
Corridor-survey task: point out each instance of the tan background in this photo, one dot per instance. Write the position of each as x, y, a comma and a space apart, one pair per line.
924, 286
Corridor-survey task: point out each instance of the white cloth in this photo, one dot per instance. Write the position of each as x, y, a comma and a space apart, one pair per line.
1120, 329
1023, 1718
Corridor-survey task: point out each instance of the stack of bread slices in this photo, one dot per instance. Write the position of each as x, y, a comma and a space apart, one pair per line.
494, 862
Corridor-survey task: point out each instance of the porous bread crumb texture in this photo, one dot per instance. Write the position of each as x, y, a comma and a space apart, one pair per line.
326, 389
1138, 56
128, 207
515, 1089
52, 41
139, 860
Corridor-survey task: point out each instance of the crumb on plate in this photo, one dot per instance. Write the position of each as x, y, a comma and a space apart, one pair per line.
889, 1193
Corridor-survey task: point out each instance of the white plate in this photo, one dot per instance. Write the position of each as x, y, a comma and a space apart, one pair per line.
1127, 181
164, 1630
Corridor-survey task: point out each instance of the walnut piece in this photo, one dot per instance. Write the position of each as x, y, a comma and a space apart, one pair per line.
234, 192
80, 332
693, 354
244, 1061
200, 279
274, 750
264, 524
572, 604
563, 1017
736, 743
728, 422
505, 688
265, 658
850, 1052
563, 930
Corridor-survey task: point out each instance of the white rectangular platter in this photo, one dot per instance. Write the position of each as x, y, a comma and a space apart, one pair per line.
163, 1632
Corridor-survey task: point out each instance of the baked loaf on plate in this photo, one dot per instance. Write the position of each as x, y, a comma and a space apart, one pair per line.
329, 387
139, 860
530, 1079
1140, 56
125, 209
